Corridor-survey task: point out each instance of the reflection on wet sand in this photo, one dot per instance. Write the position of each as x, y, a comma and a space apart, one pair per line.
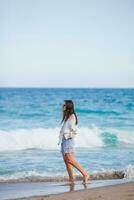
71, 187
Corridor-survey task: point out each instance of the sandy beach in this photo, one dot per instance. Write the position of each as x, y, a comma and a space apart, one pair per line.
123, 191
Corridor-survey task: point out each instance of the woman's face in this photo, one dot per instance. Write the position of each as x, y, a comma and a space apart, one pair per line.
64, 107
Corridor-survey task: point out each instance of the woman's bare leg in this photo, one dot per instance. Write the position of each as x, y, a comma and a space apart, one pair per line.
69, 158
69, 168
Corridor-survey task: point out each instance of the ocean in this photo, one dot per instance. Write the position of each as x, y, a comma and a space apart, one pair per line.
30, 121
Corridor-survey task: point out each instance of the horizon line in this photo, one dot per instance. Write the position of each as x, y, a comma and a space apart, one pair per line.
59, 87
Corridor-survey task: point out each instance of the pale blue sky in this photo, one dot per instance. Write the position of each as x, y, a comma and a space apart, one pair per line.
67, 43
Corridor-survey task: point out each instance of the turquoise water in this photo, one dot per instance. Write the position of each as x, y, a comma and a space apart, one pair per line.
30, 123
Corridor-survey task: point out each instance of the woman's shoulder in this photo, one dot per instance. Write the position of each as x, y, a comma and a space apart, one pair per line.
72, 117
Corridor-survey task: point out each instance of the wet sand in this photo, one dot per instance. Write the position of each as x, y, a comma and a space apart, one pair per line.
95, 189
123, 191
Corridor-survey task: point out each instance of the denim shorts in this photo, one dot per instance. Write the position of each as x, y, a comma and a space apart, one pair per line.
67, 146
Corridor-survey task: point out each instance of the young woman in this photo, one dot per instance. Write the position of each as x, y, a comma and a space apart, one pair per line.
66, 139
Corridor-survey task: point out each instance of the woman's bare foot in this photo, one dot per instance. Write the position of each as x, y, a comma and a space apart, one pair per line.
85, 178
69, 183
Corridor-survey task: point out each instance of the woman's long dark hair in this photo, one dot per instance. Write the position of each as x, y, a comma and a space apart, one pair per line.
69, 111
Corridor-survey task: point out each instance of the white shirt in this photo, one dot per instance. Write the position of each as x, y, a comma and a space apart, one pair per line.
68, 129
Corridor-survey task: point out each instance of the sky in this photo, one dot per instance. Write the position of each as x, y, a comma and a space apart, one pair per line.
67, 43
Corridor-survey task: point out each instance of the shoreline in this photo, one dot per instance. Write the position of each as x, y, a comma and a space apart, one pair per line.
124, 191
56, 190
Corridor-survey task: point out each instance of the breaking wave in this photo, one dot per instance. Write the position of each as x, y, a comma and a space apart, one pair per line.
47, 138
